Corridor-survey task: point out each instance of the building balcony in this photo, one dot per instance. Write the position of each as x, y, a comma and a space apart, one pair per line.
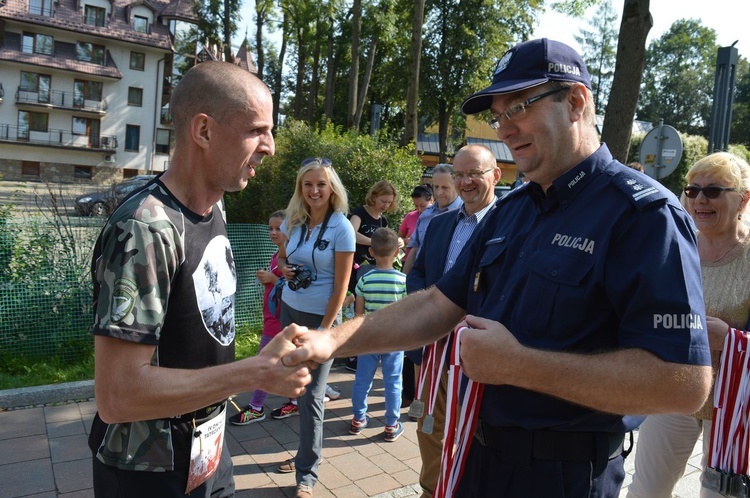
166, 117
55, 99
64, 139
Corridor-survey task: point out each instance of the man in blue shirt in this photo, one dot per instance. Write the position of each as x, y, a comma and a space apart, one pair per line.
446, 199
582, 291
475, 176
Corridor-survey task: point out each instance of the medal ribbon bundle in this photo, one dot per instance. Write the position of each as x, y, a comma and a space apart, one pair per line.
730, 443
434, 352
460, 423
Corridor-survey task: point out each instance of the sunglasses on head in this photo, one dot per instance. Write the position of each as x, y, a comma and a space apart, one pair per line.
691, 191
323, 161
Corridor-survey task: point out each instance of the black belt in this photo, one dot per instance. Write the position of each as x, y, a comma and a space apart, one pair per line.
517, 444
203, 413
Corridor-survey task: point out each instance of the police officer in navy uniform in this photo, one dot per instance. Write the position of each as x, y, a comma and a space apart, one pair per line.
582, 292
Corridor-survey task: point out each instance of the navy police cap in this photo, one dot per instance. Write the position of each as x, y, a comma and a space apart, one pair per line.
529, 64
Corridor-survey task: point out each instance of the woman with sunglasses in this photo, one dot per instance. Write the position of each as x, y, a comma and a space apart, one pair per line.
716, 197
316, 262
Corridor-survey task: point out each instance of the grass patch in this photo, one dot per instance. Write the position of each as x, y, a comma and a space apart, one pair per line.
16, 372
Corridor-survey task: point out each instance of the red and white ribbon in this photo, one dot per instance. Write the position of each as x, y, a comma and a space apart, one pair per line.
729, 449
459, 424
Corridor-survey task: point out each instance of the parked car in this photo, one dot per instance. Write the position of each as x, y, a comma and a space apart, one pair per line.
103, 202
502, 190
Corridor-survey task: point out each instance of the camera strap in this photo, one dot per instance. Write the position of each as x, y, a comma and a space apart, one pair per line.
303, 233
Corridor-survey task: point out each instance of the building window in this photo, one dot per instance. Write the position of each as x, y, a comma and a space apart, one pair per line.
31, 121
34, 43
88, 52
137, 61
163, 140
30, 168
86, 90
140, 24
87, 127
129, 173
135, 96
82, 172
39, 84
132, 137
40, 7
95, 16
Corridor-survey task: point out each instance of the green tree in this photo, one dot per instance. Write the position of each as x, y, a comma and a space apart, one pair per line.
599, 46
217, 23
631, 56
460, 53
679, 77
359, 160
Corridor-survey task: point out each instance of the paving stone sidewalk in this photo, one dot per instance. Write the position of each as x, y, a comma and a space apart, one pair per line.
43, 453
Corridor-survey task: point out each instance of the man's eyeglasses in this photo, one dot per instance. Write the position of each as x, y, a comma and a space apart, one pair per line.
519, 109
474, 175
691, 191
323, 161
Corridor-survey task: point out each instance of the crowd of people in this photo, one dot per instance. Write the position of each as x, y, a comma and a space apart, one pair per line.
559, 300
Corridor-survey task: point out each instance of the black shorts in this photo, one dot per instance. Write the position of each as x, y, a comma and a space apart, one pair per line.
112, 482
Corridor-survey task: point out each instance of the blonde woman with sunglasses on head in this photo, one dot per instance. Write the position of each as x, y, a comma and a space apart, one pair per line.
316, 262
716, 197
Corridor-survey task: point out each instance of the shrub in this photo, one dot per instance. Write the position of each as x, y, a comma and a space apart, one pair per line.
360, 161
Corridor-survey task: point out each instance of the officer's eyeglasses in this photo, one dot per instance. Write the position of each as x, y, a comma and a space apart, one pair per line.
474, 175
691, 191
518, 110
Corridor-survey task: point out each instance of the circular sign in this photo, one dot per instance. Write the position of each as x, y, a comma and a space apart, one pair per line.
661, 152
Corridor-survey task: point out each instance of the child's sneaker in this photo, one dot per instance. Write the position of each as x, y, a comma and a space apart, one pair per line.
331, 394
392, 432
247, 416
285, 411
356, 426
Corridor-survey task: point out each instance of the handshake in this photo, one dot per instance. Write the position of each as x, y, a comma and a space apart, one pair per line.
286, 361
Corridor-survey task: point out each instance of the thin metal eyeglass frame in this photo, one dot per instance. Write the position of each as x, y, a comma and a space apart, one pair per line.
474, 175
512, 111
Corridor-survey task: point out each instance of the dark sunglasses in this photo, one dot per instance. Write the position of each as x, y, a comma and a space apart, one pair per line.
323, 161
710, 192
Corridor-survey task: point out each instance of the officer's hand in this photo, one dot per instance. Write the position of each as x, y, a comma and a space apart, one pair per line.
277, 377
489, 352
313, 347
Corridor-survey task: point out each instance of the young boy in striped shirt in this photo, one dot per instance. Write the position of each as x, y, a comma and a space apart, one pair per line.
375, 290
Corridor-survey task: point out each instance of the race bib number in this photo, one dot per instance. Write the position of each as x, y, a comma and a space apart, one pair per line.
205, 451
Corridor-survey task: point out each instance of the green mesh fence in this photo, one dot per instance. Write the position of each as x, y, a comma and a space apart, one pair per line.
45, 286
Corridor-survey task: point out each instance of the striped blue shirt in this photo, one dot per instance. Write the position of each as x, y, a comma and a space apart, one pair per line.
461, 234
379, 288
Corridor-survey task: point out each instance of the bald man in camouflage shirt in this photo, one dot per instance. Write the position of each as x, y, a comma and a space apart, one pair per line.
164, 289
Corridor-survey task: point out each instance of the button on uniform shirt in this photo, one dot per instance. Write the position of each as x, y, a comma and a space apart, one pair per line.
607, 259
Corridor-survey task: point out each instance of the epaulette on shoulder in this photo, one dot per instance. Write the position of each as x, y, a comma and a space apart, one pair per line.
642, 191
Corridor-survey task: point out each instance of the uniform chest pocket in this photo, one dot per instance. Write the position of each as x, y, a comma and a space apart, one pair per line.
554, 296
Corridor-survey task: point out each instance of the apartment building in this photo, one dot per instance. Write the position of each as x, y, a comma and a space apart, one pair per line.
85, 86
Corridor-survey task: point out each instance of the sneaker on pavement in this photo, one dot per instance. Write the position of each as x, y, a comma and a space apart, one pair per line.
392, 432
287, 466
356, 426
285, 411
351, 364
331, 393
303, 491
248, 415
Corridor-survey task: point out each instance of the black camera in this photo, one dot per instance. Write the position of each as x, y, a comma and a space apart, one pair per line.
302, 278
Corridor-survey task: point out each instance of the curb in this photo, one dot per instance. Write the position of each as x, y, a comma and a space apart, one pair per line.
43, 395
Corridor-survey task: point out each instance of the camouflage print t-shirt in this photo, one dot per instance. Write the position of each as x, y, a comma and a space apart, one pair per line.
163, 276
